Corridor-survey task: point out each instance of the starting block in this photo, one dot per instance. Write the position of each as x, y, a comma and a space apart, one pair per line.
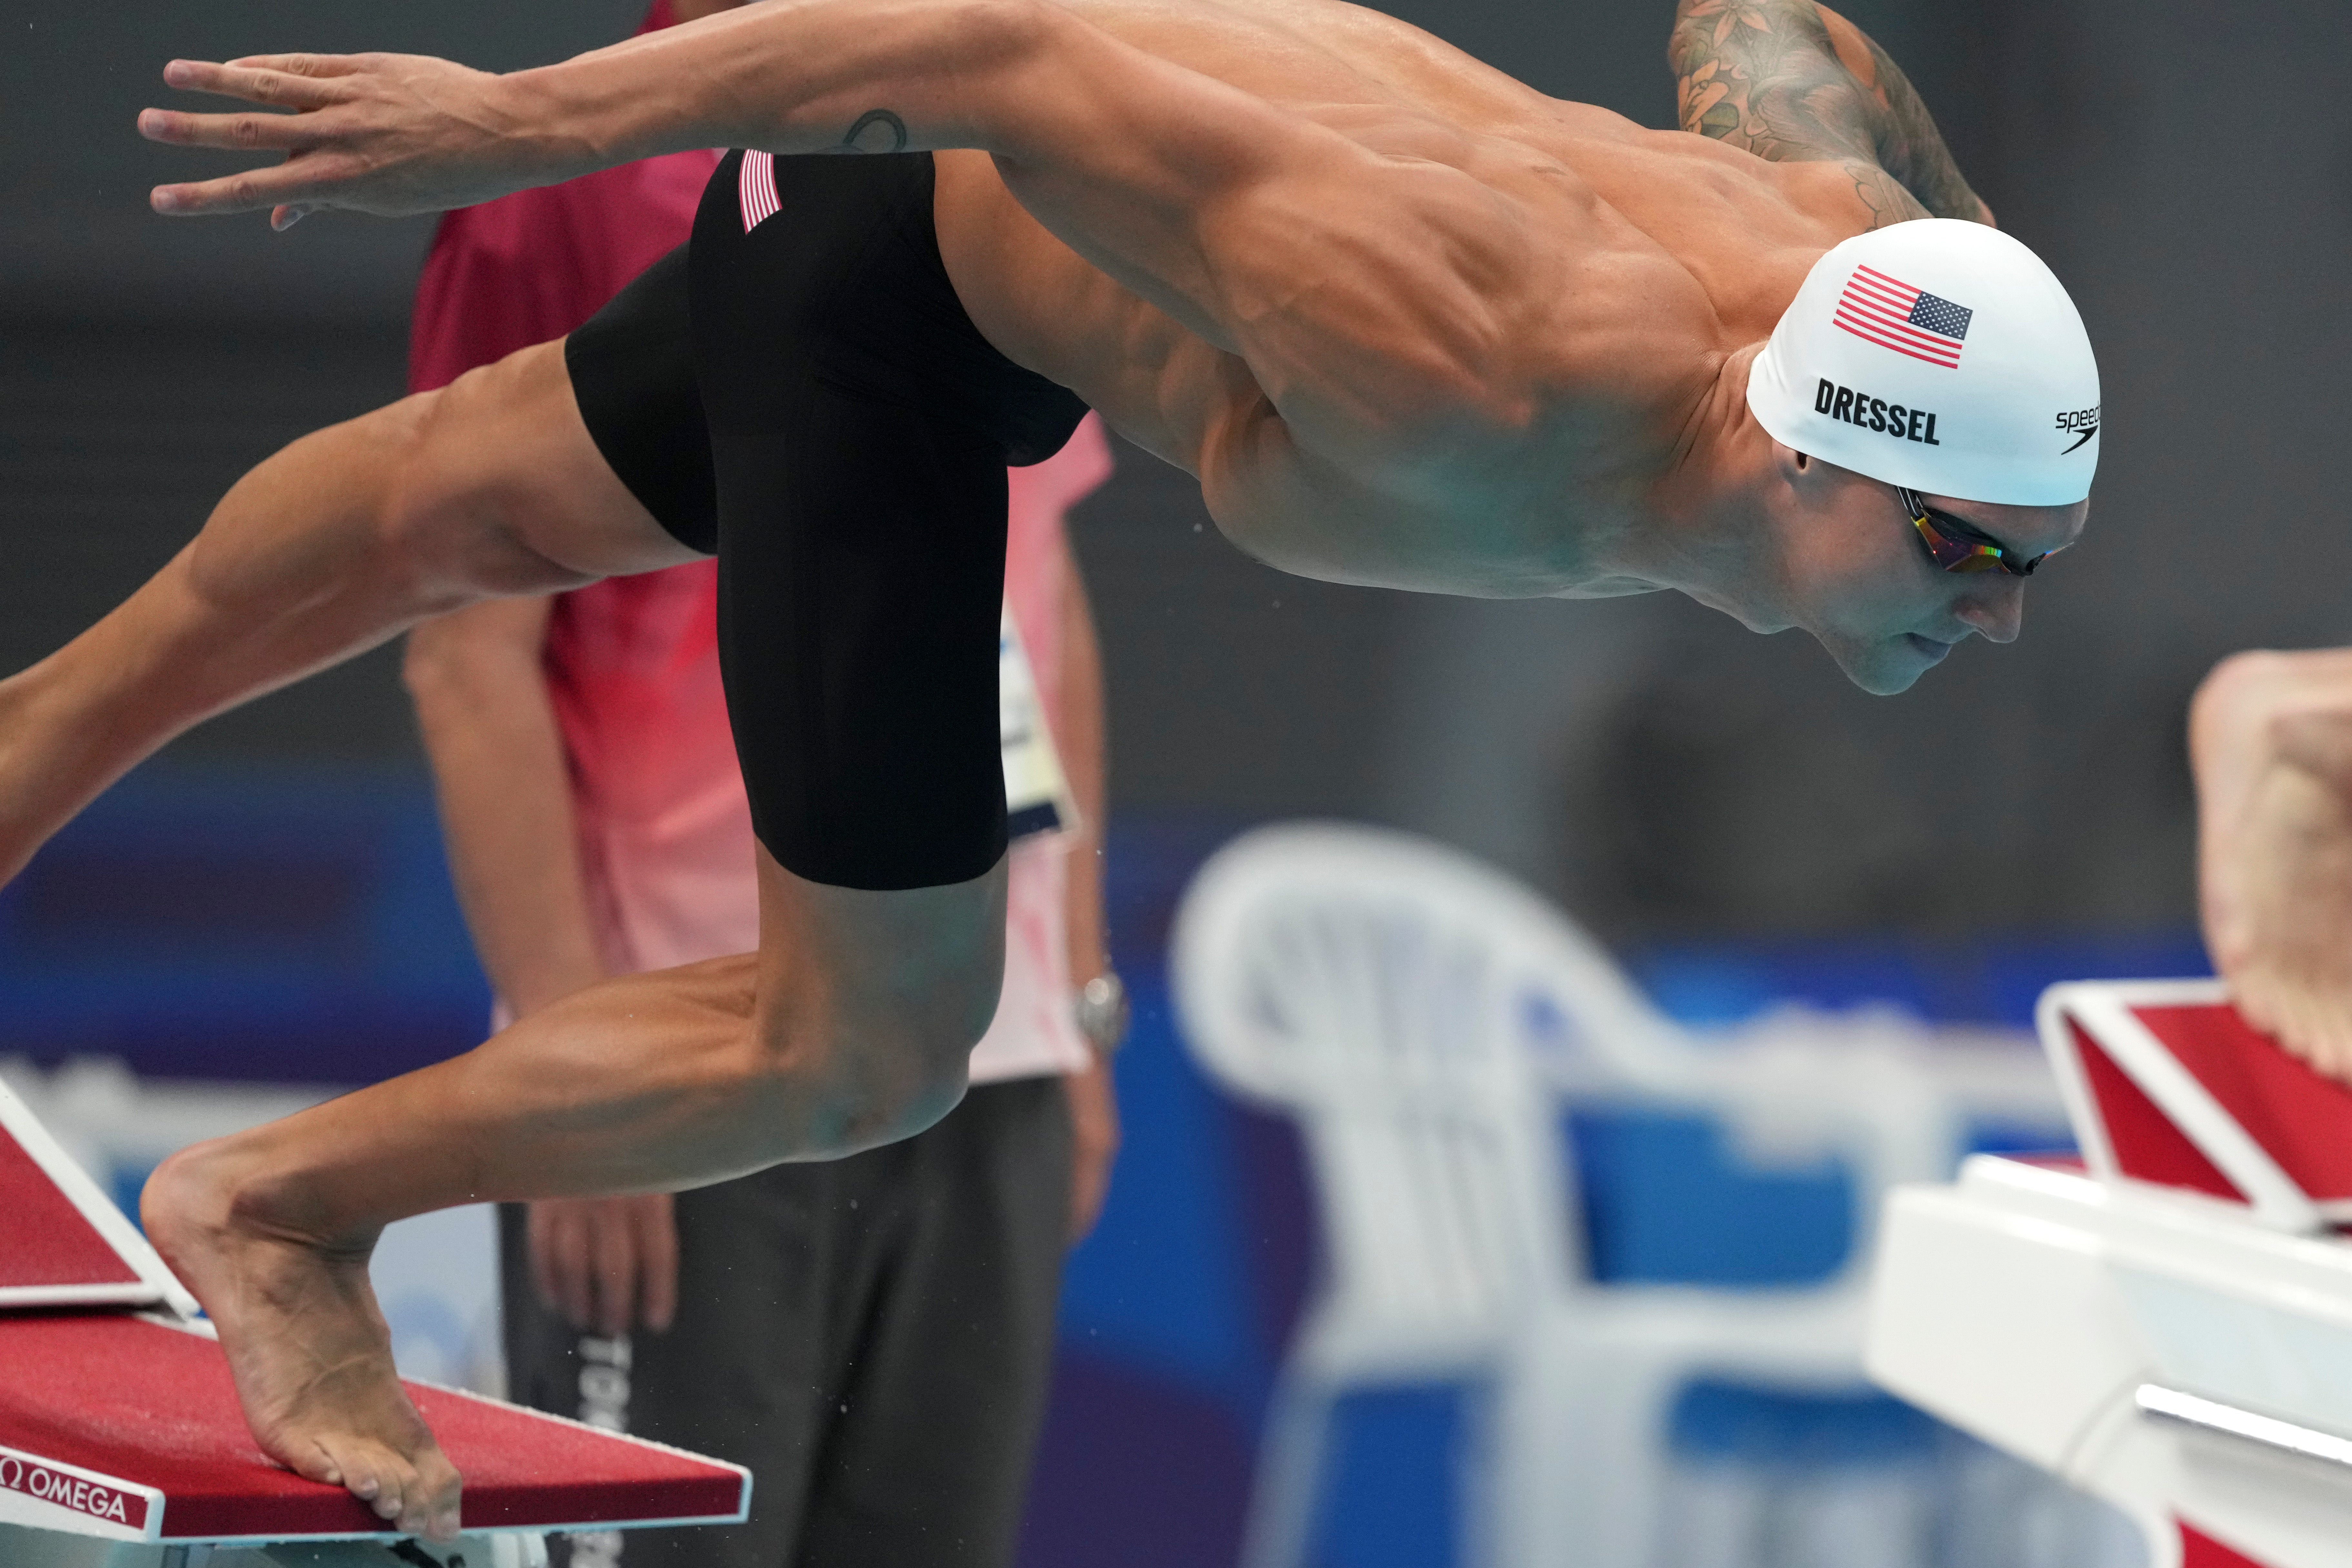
121, 1443
2166, 1321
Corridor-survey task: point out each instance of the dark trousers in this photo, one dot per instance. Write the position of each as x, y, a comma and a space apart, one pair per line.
871, 1336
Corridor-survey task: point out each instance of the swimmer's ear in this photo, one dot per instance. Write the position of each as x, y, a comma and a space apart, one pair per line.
1795, 468
1807, 480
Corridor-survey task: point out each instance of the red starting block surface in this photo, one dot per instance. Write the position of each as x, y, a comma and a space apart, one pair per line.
62, 1242
129, 1427
125, 1424
2165, 1083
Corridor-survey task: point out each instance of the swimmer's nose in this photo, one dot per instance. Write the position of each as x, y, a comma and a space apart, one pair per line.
1994, 610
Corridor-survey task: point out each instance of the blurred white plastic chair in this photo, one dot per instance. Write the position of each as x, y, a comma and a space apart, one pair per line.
1421, 1016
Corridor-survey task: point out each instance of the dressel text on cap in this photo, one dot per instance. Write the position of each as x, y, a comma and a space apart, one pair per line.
1868, 413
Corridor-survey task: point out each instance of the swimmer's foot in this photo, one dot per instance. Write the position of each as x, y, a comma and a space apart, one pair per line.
2281, 921
2273, 753
307, 1346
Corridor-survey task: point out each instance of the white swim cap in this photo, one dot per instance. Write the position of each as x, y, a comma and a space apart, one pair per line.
1941, 355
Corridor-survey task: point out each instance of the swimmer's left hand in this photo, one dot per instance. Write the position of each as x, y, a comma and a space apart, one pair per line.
389, 134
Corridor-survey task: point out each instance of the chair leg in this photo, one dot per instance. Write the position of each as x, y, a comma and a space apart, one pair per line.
1289, 1474
1582, 1466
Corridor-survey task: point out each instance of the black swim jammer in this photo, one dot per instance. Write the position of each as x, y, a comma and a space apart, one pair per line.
804, 395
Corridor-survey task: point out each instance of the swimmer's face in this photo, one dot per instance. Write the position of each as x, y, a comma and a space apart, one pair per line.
1858, 578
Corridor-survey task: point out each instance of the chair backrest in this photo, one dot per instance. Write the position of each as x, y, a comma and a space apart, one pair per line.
1402, 1001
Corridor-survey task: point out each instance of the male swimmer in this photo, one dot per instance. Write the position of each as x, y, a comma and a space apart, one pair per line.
1410, 323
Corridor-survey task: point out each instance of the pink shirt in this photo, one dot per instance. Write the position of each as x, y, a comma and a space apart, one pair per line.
633, 662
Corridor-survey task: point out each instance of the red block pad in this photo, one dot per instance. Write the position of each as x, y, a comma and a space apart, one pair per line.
2148, 1145
62, 1241
146, 1413
45, 1241
2303, 1120
2198, 1550
2165, 1083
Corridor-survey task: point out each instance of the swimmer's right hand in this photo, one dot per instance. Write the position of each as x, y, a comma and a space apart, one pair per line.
389, 134
608, 1265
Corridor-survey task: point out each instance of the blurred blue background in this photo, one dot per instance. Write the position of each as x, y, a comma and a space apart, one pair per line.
294, 925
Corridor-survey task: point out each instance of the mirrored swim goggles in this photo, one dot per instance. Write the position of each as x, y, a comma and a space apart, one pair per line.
1955, 546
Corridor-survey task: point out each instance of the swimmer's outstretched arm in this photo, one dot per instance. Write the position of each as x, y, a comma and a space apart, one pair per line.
1794, 81
850, 1027
1365, 291
2270, 741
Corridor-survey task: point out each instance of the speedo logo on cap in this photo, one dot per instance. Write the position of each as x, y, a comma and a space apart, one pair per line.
2083, 423
1867, 413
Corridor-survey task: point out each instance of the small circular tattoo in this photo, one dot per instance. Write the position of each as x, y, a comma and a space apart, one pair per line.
853, 143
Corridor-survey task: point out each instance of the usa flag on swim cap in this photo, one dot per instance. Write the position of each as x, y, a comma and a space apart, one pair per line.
1893, 315
755, 189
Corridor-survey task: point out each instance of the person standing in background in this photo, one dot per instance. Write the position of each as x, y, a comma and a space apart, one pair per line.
871, 1336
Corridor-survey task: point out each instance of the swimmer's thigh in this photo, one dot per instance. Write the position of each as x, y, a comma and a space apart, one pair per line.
505, 447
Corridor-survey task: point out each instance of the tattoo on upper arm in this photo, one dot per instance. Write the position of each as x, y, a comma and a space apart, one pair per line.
871, 130
1765, 75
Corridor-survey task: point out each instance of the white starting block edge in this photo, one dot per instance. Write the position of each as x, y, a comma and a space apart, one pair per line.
2246, 1425
156, 1286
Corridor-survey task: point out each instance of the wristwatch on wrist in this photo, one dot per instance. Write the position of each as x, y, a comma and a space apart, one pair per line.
1101, 1011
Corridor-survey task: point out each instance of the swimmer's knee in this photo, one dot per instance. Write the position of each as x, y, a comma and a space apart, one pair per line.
853, 1095
842, 1090
929, 1098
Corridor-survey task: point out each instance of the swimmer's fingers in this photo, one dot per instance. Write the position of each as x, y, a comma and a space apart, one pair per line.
300, 185
380, 133
280, 81
234, 132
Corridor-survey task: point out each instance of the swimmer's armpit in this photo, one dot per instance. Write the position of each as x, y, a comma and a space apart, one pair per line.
1796, 82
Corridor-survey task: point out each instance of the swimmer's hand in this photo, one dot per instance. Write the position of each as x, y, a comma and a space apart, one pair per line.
389, 134
2270, 744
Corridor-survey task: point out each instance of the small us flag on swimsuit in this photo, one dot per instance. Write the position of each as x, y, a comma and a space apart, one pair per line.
1895, 315
755, 189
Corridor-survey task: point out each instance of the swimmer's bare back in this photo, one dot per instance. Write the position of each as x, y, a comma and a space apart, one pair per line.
1409, 322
